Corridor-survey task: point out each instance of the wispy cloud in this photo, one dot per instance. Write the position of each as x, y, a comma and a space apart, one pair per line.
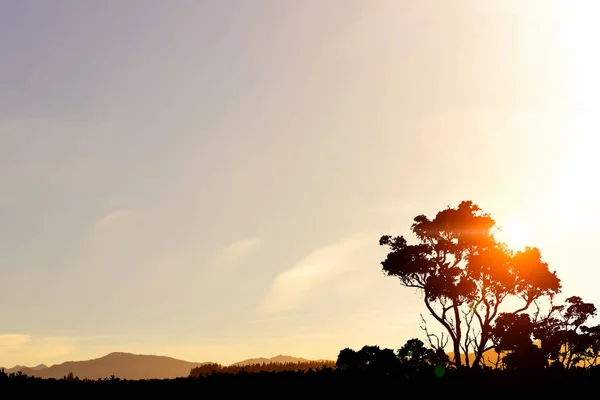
12, 342
111, 220
111, 243
108, 232
31, 350
341, 262
231, 255
236, 251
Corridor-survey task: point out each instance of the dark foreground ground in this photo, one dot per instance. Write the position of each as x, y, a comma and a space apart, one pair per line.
319, 384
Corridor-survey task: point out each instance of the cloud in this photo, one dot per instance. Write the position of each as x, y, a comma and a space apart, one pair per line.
231, 255
343, 262
19, 349
107, 233
112, 220
236, 251
55, 350
12, 342
111, 243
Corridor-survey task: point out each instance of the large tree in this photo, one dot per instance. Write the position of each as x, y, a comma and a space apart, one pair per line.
467, 276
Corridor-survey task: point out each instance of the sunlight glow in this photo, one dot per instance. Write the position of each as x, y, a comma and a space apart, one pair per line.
514, 233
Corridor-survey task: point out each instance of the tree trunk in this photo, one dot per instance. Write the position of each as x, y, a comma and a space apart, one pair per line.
457, 360
456, 342
454, 335
480, 348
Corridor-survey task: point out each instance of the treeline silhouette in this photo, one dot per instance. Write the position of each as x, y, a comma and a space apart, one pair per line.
414, 366
369, 367
213, 368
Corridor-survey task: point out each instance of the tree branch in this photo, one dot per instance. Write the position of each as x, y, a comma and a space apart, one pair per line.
440, 320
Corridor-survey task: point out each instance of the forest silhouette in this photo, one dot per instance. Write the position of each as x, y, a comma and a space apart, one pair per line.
490, 317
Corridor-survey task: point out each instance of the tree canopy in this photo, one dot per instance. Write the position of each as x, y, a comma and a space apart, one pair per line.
466, 275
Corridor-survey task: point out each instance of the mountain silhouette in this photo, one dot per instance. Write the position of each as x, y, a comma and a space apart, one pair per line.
121, 365
18, 368
281, 359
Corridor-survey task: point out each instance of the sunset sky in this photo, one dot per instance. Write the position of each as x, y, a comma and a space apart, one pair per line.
209, 180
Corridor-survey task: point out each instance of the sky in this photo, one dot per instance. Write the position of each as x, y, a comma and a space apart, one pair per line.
209, 180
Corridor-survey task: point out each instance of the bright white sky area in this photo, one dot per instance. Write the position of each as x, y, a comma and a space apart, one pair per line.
209, 180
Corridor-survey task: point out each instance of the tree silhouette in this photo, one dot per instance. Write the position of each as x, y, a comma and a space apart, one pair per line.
512, 331
592, 340
70, 377
465, 274
381, 361
369, 358
415, 354
348, 360
564, 337
512, 335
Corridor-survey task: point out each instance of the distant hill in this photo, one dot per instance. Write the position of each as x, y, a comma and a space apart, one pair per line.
122, 365
277, 359
18, 368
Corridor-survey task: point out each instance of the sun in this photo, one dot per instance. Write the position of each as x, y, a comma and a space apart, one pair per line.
514, 233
